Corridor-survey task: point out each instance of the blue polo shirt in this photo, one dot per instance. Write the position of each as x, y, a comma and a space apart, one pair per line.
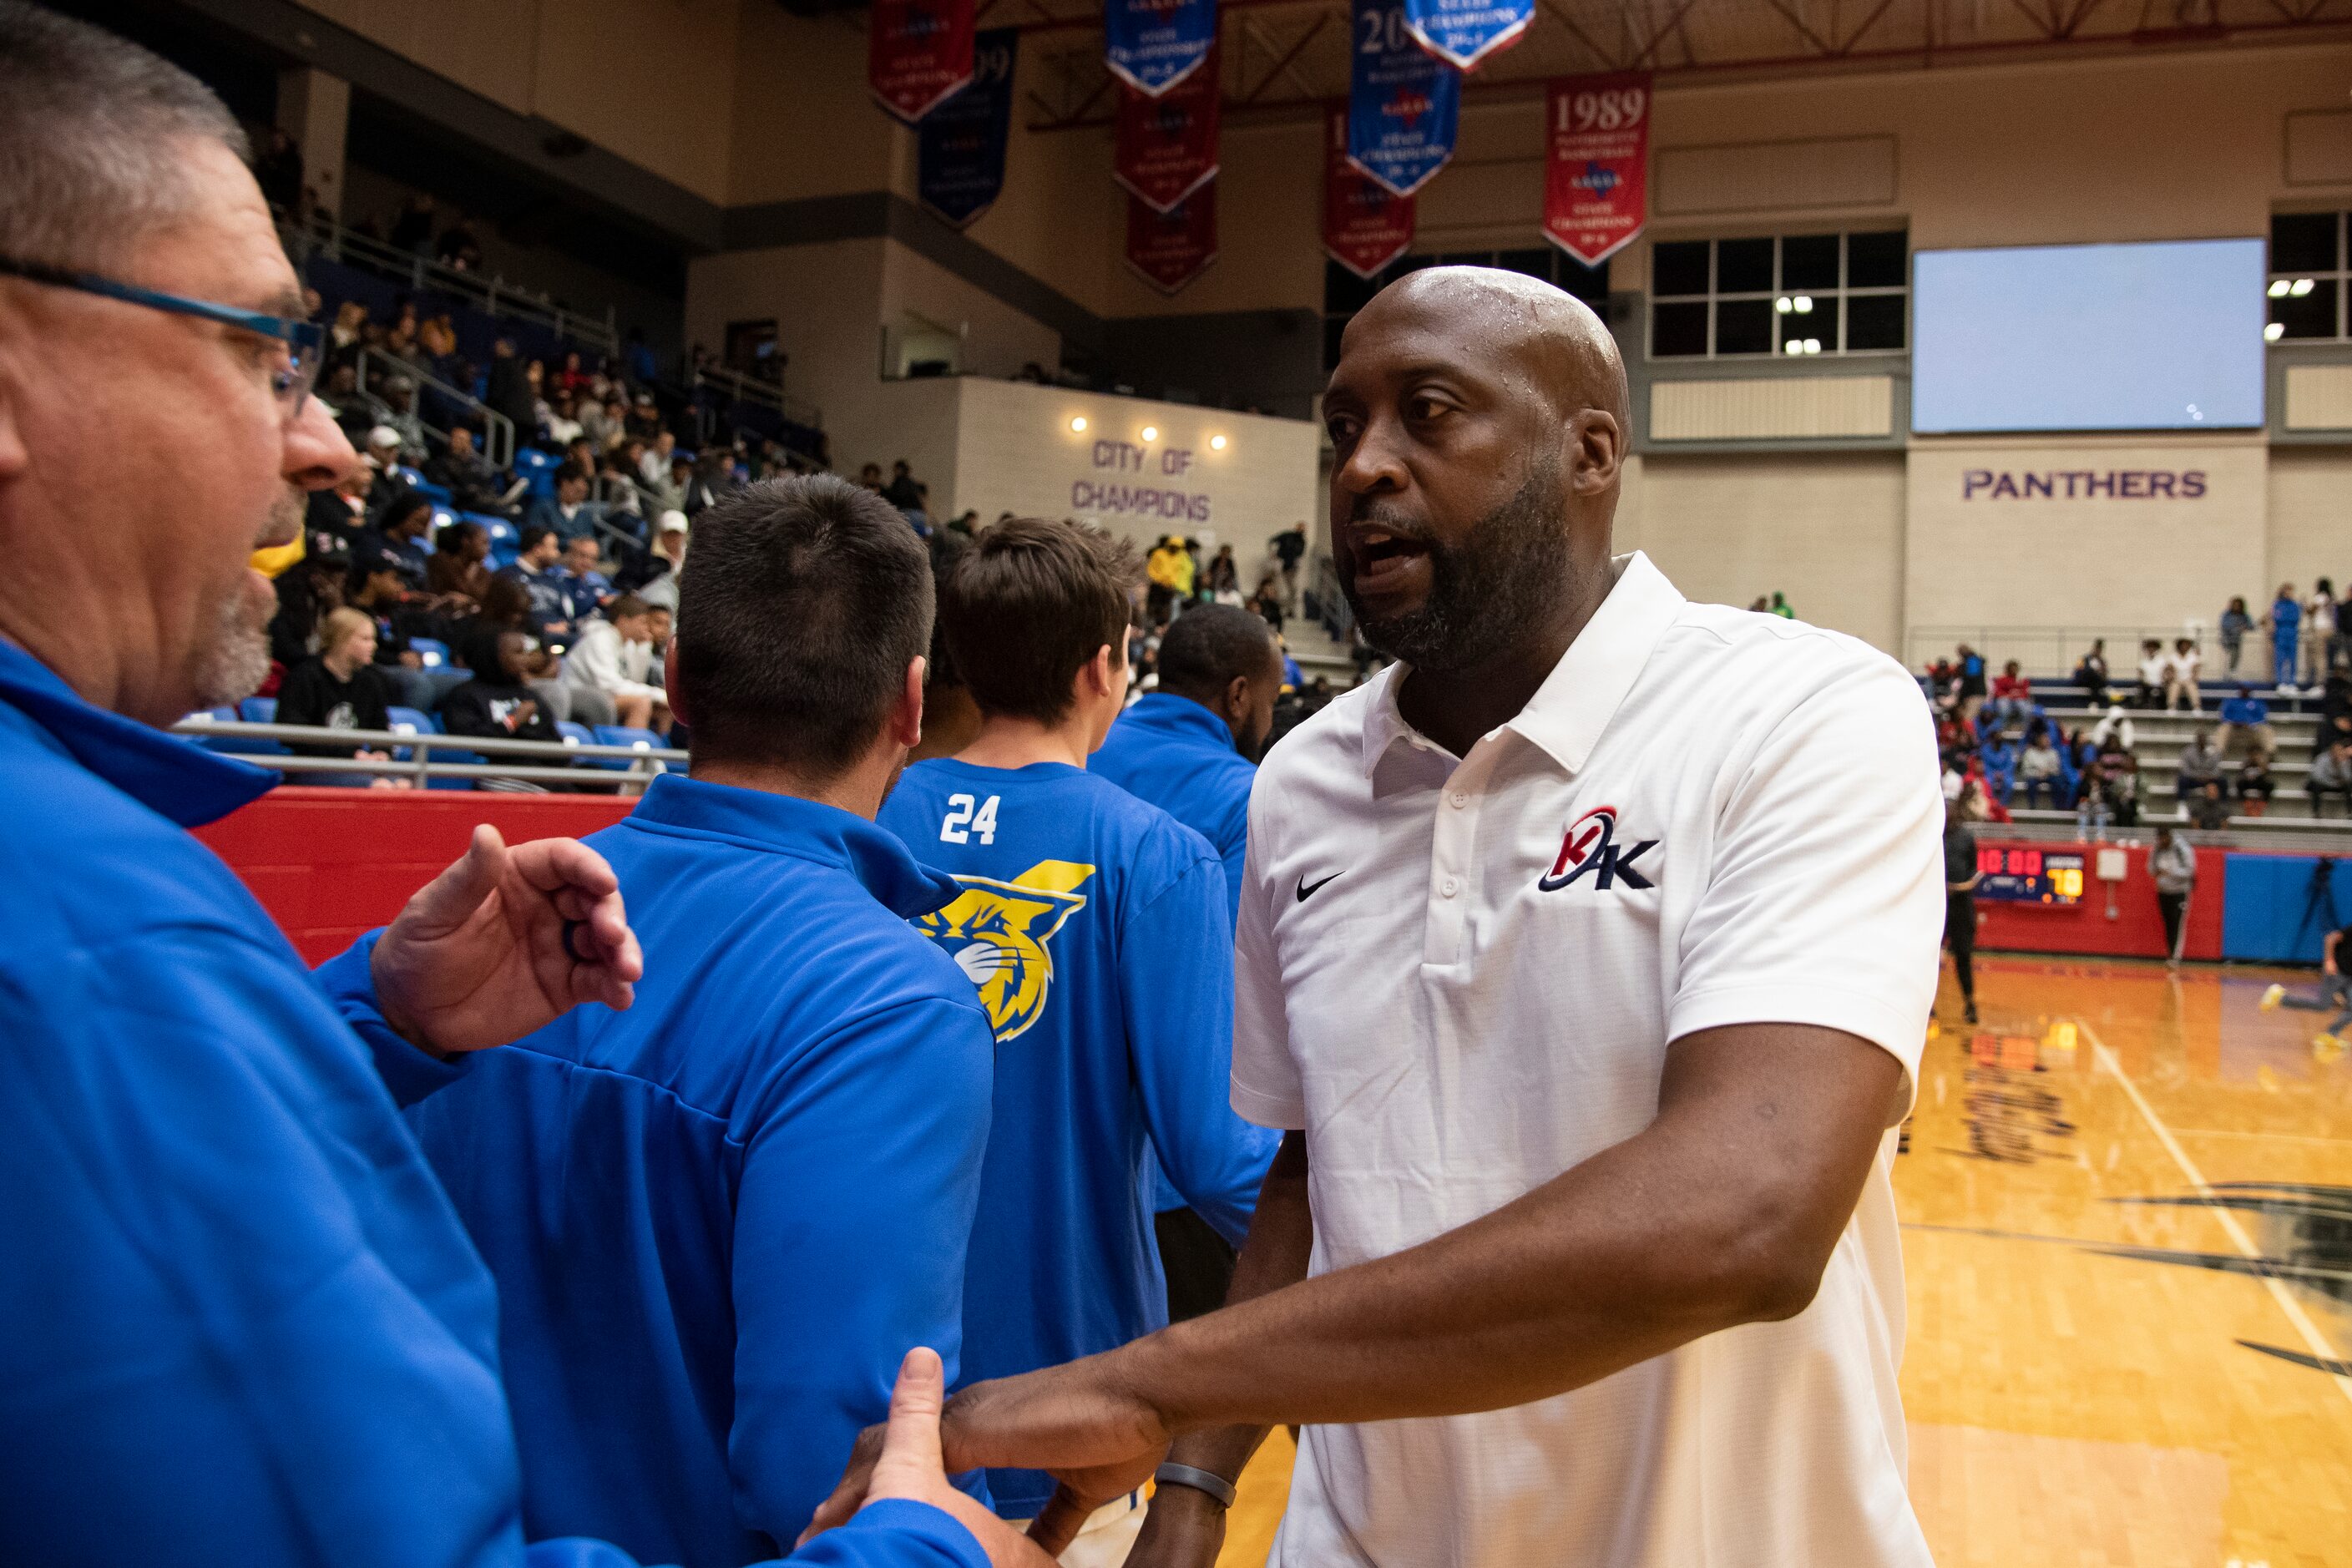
1094, 927
1174, 753
719, 1219
241, 1324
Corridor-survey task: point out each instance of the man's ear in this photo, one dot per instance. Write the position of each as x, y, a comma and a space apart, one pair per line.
671, 684
906, 722
1097, 678
1238, 700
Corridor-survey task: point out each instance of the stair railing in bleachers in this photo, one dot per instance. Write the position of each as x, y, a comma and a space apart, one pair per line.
742, 389
493, 295
498, 444
2055, 650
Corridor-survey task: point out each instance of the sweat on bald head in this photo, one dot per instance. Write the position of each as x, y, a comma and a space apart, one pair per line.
83, 115
1565, 347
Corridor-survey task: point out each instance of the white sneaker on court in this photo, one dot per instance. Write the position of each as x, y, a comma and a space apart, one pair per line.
2271, 998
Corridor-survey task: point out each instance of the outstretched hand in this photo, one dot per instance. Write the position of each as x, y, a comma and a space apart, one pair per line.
907, 1464
1098, 1441
505, 942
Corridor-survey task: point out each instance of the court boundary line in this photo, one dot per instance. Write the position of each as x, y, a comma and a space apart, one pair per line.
2312, 1339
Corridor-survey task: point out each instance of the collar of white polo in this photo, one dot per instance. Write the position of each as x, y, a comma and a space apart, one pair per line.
1584, 690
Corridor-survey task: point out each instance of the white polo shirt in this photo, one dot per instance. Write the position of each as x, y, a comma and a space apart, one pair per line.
1461, 979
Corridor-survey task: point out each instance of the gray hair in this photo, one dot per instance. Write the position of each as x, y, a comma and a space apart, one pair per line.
85, 120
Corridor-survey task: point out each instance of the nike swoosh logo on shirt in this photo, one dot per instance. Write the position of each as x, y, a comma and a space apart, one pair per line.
1306, 891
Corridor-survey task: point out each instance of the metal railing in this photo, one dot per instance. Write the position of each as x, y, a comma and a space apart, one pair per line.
744, 388
2293, 834
493, 295
2055, 650
497, 447
541, 761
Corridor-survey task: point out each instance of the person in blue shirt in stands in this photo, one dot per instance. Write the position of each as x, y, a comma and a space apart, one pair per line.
538, 569
239, 1323
1190, 748
717, 1220
1096, 930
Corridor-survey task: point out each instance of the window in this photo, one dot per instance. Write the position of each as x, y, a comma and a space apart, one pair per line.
1796, 294
2307, 277
1344, 293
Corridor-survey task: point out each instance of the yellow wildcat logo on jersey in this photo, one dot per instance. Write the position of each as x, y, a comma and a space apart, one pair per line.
998, 933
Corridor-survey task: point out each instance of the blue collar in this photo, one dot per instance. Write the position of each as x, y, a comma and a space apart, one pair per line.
1166, 712
805, 829
172, 777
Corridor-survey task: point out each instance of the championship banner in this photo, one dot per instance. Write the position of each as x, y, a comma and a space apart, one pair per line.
919, 54
1167, 146
1152, 45
1403, 102
1462, 33
959, 146
1169, 249
1597, 171
1365, 227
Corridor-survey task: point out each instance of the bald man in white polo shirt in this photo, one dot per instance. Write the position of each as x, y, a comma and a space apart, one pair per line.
1586, 956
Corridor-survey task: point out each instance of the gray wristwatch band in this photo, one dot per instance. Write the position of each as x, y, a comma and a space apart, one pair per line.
1208, 1481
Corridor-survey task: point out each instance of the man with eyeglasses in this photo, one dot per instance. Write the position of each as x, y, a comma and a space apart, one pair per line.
239, 1322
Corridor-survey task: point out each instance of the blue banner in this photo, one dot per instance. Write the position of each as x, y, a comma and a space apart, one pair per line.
1464, 32
1152, 45
1403, 102
959, 146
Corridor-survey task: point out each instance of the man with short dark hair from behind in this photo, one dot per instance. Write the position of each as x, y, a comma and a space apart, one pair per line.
717, 1220
1096, 927
1190, 748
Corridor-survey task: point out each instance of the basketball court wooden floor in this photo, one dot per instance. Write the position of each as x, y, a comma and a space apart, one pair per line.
2128, 1227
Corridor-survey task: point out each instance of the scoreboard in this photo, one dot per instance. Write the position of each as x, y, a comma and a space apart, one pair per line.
2028, 877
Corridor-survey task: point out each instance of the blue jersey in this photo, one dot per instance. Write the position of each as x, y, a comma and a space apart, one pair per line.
241, 1325
717, 1220
1174, 753
1096, 929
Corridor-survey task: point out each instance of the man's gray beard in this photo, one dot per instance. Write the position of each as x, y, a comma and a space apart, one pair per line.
231, 663
1485, 592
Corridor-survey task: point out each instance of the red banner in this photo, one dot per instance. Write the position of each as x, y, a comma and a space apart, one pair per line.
1172, 248
1365, 224
1597, 173
1168, 145
919, 54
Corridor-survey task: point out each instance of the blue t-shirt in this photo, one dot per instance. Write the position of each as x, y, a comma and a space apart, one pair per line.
1174, 753
719, 1219
2286, 617
241, 1324
1095, 928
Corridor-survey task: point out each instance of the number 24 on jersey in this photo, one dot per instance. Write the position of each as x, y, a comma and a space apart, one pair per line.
961, 821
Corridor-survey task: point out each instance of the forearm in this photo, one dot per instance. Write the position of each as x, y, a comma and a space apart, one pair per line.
1281, 1240
1700, 1223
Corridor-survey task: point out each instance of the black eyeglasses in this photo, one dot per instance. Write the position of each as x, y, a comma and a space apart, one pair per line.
302, 341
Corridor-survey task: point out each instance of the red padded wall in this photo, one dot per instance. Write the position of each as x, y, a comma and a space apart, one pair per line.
329, 864
2138, 929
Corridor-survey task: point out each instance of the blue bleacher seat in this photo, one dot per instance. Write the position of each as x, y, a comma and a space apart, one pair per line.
441, 756
409, 721
433, 651
438, 494
575, 734
258, 710
223, 715
623, 735
538, 467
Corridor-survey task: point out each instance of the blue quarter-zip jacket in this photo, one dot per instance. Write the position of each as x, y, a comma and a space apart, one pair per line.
1094, 927
1176, 754
719, 1220
239, 1323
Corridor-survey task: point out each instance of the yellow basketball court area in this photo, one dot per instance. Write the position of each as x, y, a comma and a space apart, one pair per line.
2126, 1198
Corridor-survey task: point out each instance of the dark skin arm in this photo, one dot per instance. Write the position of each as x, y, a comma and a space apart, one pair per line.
1723, 1211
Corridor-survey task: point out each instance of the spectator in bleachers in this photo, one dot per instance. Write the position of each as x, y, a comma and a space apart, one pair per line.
538, 570
714, 476
2284, 622
611, 659
2181, 670
2331, 774
2091, 672
2319, 631
459, 568
473, 485
567, 513
556, 422
2206, 808
413, 229
2118, 775
344, 336
1972, 685
572, 377
652, 577
458, 249
2013, 696
382, 455
500, 704
399, 531
510, 390
1169, 569
339, 687
655, 460
399, 395
2235, 624
1998, 758
2200, 764
644, 418
334, 519
2246, 718
2154, 667
306, 591
902, 491
2255, 783
2040, 770
587, 585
